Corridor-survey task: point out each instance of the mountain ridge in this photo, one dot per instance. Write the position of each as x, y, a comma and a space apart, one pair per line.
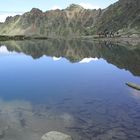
122, 16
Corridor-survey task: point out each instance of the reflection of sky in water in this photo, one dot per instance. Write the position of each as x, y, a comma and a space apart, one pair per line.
85, 101
135, 93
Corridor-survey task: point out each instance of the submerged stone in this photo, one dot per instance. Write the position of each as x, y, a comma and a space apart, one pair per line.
54, 135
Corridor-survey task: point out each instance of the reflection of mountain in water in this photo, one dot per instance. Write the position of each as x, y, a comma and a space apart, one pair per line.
124, 57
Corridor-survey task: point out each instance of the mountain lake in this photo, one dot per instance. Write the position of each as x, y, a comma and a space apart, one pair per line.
72, 86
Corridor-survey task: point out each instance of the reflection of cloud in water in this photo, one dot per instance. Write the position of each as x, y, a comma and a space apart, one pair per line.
67, 118
56, 58
21, 120
135, 93
4, 51
87, 60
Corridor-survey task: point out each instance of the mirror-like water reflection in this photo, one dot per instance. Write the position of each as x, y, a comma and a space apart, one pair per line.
72, 86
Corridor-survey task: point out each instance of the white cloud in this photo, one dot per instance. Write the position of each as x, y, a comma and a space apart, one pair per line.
87, 60
89, 6
4, 15
55, 7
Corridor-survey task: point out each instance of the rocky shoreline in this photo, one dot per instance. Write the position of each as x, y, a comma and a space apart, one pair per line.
132, 39
20, 37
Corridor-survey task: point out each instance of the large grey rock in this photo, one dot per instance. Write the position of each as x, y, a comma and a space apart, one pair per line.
54, 135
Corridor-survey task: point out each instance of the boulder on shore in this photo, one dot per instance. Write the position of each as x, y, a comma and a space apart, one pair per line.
54, 135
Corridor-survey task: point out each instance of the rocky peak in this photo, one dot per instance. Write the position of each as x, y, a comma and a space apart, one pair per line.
74, 7
36, 11
8, 19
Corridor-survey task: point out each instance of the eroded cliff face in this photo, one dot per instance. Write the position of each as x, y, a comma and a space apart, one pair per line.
75, 20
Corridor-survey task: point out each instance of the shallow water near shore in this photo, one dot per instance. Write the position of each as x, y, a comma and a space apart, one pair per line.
72, 86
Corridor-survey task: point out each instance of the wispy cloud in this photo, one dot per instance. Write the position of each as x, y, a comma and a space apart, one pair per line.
83, 4
4, 15
55, 7
89, 6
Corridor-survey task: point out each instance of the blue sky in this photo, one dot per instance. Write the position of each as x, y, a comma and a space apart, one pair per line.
13, 7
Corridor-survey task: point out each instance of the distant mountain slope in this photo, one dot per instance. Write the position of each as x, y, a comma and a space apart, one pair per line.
124, 14
72, 20
75, 20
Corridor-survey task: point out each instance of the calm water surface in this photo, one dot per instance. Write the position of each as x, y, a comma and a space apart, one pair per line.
75, 87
